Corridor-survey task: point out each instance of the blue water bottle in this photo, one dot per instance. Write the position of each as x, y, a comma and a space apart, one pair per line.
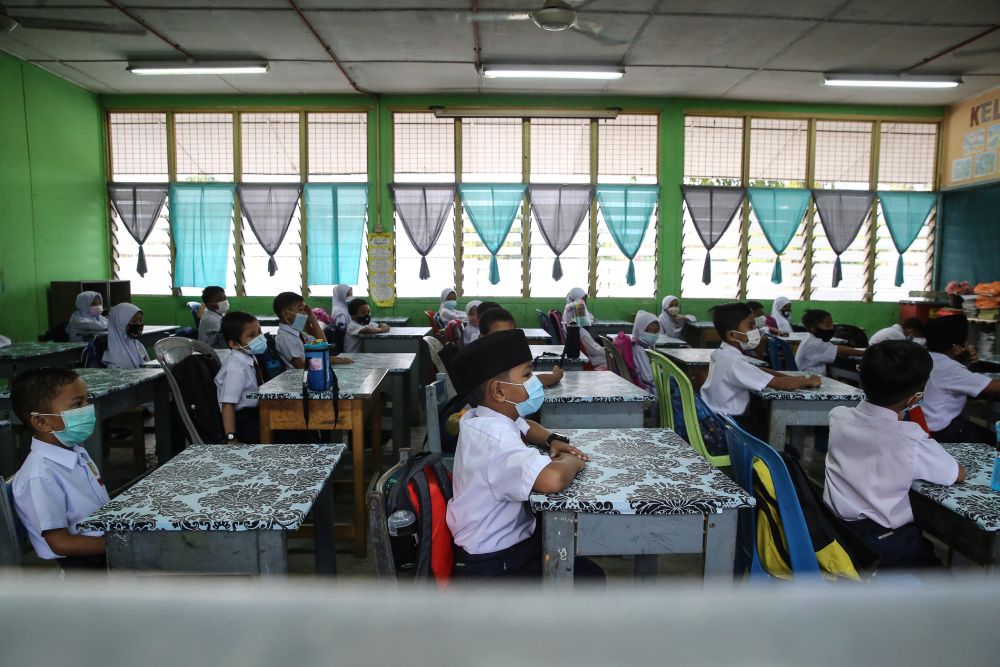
995, 479
318, 366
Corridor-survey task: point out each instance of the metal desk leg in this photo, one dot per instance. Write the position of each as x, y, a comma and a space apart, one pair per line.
720, 544
163, 416
645, 568
778, 426
326, 554
558, 547
358, 472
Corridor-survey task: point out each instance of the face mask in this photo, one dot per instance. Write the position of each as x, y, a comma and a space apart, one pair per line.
787, 314
133, 330
223, 306
299, 323
536, 395
95, 311
258, 345
451, 304
78, 425
760, 322
649, 339
365, 320
752, 341
674, 310
824, 334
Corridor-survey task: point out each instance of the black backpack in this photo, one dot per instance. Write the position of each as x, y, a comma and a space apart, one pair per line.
335, 336
425, 477
196, 378
93, 354
270, 363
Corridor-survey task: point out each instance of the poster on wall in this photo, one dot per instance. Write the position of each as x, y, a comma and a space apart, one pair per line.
381, 274
972, 140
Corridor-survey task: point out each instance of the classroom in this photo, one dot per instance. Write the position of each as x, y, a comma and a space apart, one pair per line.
311, 309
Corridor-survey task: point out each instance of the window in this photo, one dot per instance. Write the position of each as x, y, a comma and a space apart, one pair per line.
204, 147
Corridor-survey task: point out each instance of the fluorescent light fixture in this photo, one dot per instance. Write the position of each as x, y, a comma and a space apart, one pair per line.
522, 112
551, 72
199, 67
892, 80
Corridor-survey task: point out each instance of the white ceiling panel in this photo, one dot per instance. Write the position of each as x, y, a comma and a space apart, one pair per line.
397, 36
976, 12
293, 78
595, 6
70, 45
521, 41
115, 79
676, 81
811, 9
415, 77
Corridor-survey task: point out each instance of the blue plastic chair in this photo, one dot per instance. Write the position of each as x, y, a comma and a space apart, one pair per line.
780, 355
744, 449
546, 324
12, 532
195, 307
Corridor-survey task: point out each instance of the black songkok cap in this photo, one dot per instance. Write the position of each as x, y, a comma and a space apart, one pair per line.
489, 356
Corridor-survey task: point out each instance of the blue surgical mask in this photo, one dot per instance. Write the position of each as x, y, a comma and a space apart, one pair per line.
78, 425
299, 323
649, 339
451, 304
258, 345
536, 395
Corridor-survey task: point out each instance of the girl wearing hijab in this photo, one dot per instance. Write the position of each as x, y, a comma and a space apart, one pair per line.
671, 321
472, 328
448, 310
342, 295
576, 311
125, 350
781, 313
87, 321
645, 332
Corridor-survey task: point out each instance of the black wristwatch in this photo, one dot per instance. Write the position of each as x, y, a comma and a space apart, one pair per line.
556, 436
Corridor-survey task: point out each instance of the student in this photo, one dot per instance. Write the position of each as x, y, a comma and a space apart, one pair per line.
471, 331
59, 485
360, 324
875, 456
125, 350
87, 320
781, 314
216, 305
495, 471
911, 329
342, 295
297, 327
761, 320
671, 321
448, 310
500, 319
816, 350
951, 383
645, 332
239, 376
731, 377
576, 311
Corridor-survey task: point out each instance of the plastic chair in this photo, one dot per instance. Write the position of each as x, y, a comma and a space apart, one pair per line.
434, 347
546, 323
664, 371
779, 354
195, 307
855, 336
744, 450
170, 352
557, 326
433, 320
385, 565
12, 533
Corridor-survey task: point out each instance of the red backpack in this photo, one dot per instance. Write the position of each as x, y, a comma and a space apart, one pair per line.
623, 342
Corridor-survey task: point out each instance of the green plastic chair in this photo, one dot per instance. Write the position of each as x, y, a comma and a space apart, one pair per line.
663, 371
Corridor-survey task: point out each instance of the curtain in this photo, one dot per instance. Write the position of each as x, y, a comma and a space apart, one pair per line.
559, 211
842, 212
627, 210
269, 210
335, 230
138, 207
779, 212
905, 214
423, 209
201, 220
712, 209
492, 208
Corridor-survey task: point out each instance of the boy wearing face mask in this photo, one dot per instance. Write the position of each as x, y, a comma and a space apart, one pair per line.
210, 325
297, 327
361, 319
731, 377
59, 485
239, 376
816, 351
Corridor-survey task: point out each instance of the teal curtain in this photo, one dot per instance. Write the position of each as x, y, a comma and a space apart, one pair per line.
201, 219
627, 210
779, 212
905, 213
335, 230
492, 208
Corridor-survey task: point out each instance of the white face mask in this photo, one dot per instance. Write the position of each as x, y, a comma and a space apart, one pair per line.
223, 306
760, 322
674, 310
649, 338
752, 341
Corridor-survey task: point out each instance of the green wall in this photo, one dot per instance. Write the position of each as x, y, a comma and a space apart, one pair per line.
53, 202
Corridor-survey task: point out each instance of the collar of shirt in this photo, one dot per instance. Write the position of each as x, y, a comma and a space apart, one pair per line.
67, 458
518, 425
877, 412
210, 314
240, 357
727, 350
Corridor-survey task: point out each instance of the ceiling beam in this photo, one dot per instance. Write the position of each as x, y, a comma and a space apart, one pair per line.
329, 50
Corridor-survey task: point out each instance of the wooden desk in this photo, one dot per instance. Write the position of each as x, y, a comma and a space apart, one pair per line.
281, 408
701, 333
19, 357
804, 407
594, 399
400, 368
609, 328
694, 362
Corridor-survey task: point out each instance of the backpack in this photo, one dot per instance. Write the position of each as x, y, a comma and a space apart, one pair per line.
335, 335
623, 343
93, 354
195, 377
427, 485
454, 333
708, 422
270, 363
555, 317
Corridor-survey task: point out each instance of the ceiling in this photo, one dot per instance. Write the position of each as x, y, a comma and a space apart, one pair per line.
773, 50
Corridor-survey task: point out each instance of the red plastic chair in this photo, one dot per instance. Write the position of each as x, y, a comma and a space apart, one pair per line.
432, 318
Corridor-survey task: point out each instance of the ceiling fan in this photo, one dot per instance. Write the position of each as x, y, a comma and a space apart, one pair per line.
8, 23
556, 16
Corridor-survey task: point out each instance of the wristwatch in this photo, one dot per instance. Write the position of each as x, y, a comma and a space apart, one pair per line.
230, 437
556, 436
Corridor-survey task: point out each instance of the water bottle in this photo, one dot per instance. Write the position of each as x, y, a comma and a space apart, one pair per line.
404, 539
995, 479
318, 366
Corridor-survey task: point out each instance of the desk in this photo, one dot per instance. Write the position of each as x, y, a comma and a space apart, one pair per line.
223, 509
155, 363
793, 339
404, 340
113, 391
19, 357
609, 328
594, 399
694, 362
988, 362
665, 341
966, 516
804, 407
281, 408
545, 363
392, 321
154, 332
645, 492
537, 336
701, 333
267, 320
846, 369
400, 367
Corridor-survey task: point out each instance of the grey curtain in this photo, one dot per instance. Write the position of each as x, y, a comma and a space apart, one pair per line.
138, 207
842, 212
559, 211
269, 210
712, 209
423, 208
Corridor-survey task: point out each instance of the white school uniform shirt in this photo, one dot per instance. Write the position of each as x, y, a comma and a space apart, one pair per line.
351, 341
236, 379
814, 354
57, 488
730, 380
872, 461
210, 329
895, 332
290, 344
949, 386
493, 477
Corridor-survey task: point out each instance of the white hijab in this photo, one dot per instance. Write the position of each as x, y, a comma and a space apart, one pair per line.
668, 325
123, 351
338, 309
81, 321
83, 303
643, 369
784, 326
448, 314
569, 312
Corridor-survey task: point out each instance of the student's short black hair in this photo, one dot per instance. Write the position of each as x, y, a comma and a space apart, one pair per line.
944, 332
728, 316
755, 305
285, 301
33, 391
811, 318
211, 292
894, 370
486, 305
914, 324
478, 393
355, 305
491, 317
233, 324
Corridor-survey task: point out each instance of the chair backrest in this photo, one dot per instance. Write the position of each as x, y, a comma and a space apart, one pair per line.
12, 533
433, 320
93, 354
335, 336
779, 354
434, 347
557, 326
170, 352
435, 398
616, 364
195, 307
744, 451
680, 387
854, 335
385, 565
546, 323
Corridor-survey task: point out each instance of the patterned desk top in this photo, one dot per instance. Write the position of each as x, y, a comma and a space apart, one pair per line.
973, 498
537, 351
222, 487
702, 356
159, 328
536, 335
394, 362
16, 351
105, 381
642, 471
830, 390
595, 387
356, 382
669, 341
401, 333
